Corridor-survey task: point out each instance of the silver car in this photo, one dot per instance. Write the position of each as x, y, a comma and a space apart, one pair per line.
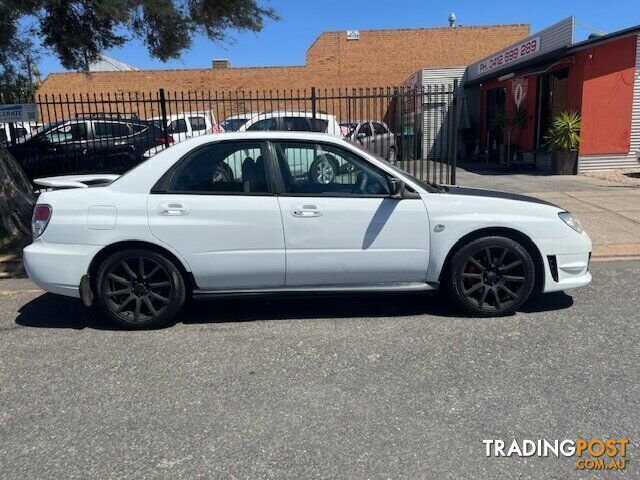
373, 135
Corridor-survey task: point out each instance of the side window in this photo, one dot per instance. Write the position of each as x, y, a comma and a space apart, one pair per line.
324, 169
266, 124
378, 128
230, 167
3, 134
110, 130
365, 130
198, 123
70, 132
20, 132
178, 126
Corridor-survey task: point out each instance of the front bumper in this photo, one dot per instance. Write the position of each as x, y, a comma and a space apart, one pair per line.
58, 268
566, 262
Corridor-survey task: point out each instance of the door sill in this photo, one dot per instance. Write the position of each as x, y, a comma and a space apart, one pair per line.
382, 287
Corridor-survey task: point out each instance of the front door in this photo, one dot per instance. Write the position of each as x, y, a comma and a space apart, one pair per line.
216, 210
348, 230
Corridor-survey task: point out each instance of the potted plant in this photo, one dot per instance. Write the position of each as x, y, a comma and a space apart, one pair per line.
562, 140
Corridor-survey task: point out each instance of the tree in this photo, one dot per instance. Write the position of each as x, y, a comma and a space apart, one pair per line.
77, 31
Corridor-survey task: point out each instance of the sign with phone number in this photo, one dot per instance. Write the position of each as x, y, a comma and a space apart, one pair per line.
525, 49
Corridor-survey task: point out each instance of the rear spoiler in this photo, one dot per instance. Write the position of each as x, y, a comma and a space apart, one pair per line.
76, 181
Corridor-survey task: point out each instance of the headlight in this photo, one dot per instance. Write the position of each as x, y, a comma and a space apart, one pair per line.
570, 220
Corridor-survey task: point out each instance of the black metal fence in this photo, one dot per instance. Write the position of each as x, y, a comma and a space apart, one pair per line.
414, 128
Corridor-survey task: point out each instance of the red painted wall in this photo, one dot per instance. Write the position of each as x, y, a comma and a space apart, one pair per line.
600, 88
607, 96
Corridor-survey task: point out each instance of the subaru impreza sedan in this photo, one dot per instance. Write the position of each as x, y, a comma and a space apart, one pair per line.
246, 213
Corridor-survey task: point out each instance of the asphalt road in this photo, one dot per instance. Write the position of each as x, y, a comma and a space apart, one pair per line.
384, 386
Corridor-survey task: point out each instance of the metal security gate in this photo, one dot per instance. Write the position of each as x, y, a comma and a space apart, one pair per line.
413, 128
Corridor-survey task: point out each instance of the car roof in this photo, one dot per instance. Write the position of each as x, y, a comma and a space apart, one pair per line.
290, 113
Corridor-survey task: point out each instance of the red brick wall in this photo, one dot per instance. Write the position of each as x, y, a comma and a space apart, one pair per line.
379, 58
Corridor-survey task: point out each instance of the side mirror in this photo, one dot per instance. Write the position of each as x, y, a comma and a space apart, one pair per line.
397, 188
361, 135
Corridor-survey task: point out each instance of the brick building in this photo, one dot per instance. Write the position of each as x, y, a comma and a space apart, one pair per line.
377, 58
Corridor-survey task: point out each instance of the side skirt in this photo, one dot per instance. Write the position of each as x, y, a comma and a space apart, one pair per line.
384, 287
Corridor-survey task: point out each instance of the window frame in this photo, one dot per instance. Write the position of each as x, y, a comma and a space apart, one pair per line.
98, 138
280, 183
161, 187
88, 133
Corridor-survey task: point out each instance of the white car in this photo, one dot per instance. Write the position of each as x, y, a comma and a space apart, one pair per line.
182, 126
292, 121
174, 226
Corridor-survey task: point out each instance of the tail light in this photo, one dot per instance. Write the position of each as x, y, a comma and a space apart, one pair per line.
216, 129
162, 139
40, 219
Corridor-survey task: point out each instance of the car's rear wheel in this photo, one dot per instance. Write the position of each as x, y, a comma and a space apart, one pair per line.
139, 289
490, 276
323, 170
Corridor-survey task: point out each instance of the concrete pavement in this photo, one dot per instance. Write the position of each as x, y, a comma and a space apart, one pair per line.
610, 212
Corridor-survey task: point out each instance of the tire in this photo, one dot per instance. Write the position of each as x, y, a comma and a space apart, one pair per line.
135, 296
490, 287
323, 170
392, 156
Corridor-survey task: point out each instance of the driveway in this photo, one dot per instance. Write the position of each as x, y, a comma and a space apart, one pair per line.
610, 212
369, 386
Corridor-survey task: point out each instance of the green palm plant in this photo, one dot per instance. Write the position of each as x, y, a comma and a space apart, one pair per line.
564, 133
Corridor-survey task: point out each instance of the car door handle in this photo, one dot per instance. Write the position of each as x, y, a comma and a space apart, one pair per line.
306, 211
172, 209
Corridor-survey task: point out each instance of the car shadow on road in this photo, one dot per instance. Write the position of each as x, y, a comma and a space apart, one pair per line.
54, 311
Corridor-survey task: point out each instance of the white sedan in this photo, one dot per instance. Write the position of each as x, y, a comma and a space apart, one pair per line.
252, 213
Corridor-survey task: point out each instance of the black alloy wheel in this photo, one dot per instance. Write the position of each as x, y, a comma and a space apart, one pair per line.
139, 288
491, 276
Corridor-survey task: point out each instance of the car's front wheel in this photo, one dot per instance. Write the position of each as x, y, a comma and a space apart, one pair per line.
139, 289
490, 276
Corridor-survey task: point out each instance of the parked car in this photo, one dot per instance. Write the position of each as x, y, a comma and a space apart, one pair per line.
373, 135
20, 129
173, 227
186, 125
292, 121
91, 144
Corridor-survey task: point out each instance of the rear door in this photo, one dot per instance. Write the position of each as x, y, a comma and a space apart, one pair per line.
215, 207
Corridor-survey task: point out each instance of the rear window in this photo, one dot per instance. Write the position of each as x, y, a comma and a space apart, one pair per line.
318, 125
198, 123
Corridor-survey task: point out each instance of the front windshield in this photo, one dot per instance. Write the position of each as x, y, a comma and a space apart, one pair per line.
233, 124
429, 187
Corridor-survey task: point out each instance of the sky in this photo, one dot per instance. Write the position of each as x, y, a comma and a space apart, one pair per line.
285, 42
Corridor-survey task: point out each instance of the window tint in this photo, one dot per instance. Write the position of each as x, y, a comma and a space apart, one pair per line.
178, 126
378, 128
266, 124
365, 129
234, 167
318, 125
296, 124
71, 132
137, 128
3, 134
110, 130
198, 123
322, 169
20, 132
